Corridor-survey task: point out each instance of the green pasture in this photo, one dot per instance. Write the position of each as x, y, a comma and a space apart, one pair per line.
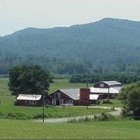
114, 102
17, 129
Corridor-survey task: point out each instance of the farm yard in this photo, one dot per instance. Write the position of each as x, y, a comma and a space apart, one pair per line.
9, 110
18, 122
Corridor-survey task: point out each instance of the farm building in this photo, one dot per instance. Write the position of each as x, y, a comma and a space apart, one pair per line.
31, 100
77, 96
106, 89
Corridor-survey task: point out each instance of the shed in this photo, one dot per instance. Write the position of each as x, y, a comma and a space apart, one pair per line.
94, 98
28, 100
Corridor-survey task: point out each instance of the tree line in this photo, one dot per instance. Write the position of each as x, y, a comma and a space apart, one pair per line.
93, 78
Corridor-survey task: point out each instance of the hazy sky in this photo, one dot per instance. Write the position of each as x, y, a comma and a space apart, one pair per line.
19, 14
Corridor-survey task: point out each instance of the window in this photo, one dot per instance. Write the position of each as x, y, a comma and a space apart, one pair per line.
71, 102
61, 101
32, 102
101, 85
57, 95
53, 101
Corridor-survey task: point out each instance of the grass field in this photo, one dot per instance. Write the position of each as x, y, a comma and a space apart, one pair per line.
17, 129
64, 83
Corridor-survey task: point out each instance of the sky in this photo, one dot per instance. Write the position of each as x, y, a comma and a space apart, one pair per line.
20, 14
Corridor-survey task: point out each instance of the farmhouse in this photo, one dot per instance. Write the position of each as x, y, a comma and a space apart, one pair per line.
106, 89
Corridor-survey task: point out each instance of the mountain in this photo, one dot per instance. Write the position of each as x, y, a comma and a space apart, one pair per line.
101, 43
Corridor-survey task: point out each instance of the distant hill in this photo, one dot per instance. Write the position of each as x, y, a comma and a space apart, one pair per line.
102, 43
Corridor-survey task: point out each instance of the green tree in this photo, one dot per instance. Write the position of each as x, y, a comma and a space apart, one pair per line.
130, 97
28, 79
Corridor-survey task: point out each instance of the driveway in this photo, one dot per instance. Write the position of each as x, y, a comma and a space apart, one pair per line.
117, 112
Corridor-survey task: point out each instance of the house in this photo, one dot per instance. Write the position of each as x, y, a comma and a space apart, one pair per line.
32, 100
106, 89
76, 96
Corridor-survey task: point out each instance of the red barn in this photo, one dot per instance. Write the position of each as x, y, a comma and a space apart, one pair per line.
75, 96
106, 89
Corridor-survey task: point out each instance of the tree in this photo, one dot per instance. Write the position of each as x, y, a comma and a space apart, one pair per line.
28, 79
130, 97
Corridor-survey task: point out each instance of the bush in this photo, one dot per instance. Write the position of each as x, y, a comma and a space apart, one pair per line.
104, 117
82, 119
107, 101
18, 116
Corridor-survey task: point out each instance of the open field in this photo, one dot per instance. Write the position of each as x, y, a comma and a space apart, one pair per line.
17, 129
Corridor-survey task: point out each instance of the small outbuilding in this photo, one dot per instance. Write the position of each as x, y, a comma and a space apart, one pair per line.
94, 98
28, 100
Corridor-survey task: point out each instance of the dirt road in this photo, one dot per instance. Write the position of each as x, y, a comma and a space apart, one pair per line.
117, 112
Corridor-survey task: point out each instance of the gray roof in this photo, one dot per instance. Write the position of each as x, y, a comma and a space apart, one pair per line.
111, 83
72, 93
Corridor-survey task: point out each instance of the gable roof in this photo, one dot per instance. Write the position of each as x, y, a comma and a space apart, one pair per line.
28, 97
72, 93
111, 90
109, 83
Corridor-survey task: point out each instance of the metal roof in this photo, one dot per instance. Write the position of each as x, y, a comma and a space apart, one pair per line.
111, 90
111, 83
72, 93
94, 96
28, 97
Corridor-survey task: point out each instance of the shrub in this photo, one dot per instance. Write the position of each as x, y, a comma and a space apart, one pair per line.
107, 101
104, 117
18, 116
82, 119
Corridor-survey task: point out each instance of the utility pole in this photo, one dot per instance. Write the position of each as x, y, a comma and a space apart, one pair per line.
87, 82
43, 101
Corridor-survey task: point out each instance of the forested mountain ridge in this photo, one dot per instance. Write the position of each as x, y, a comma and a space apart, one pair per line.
66, 49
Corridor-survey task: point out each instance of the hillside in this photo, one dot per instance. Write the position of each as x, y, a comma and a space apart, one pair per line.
105, 42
